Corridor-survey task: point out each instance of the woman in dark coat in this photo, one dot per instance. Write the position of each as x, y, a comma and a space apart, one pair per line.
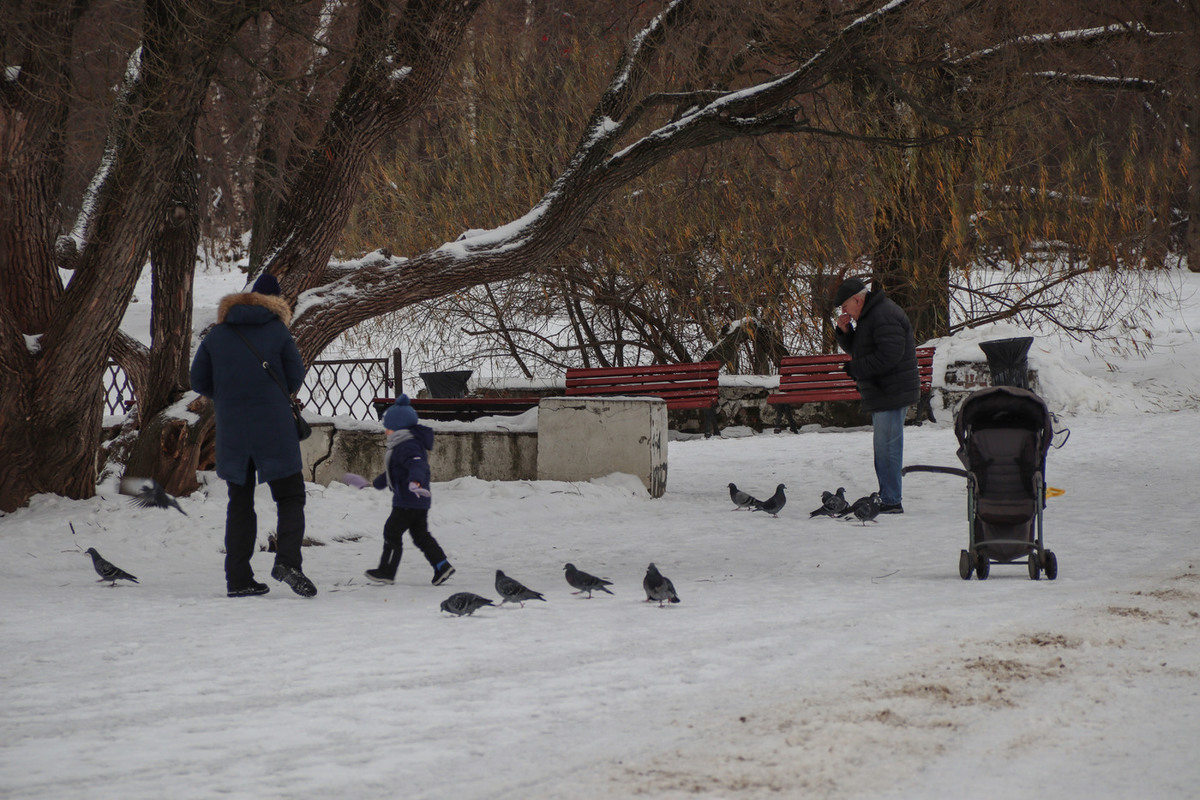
883, 363
256, 434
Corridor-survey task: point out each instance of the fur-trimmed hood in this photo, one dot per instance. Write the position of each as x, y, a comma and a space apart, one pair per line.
273, 303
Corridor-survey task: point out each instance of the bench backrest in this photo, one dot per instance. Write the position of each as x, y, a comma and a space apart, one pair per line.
681, 385
821, 376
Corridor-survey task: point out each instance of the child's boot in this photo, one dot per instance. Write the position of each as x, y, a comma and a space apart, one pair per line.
389, 562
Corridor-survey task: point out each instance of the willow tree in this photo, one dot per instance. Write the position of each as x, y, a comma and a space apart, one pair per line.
688, 74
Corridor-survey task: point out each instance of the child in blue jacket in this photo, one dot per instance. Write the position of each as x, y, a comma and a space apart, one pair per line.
406, 473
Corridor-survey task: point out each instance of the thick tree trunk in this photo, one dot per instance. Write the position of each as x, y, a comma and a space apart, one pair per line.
1193, 185
165, 446
912, 266
52, 404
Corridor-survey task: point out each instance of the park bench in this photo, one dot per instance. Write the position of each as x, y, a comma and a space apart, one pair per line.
682, 386
821, 378
462, 409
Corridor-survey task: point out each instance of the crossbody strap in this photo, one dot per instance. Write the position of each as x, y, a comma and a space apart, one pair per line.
265, 364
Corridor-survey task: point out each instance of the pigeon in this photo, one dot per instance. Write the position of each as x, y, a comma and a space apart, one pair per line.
513, 590
658, 586
585, 582
148, 493
833, 504
865, 509
461, 603
849, 512
773, 504
741, 499
107, 570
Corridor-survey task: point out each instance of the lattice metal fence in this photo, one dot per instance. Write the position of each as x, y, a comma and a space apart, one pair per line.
346, 387
343, 387
118, 391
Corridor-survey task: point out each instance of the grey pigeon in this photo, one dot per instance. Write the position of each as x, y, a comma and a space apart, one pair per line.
461, 603
107, 570
148, 493
833, 504
773, 504
741, 499
513, 590
865, 509
584, 582
658, 586
849, 512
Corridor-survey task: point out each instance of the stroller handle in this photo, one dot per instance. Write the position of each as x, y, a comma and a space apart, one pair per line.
962, 473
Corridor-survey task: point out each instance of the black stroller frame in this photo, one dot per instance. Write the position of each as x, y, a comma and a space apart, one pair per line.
1004, 433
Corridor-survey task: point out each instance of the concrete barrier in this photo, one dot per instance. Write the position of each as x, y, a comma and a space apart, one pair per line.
584, 438
487, 453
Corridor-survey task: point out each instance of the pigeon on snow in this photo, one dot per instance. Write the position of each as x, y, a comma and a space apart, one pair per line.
833, 504
461, 603
741, 499
584, 582
148, 493
658, 586
513, 590
107, 570
773, 504
862, 501
865, 509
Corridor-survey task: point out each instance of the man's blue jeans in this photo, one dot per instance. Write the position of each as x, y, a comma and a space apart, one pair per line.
889, 453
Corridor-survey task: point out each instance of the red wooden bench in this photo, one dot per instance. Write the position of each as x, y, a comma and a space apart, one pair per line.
820, 378
463, 409
682, 386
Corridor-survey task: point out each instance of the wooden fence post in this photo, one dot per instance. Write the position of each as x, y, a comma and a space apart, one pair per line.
397, 375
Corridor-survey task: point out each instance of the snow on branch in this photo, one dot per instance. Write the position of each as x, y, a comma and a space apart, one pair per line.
91, 196
1080, 36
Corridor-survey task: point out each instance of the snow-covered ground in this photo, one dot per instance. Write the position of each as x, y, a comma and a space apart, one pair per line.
808, 658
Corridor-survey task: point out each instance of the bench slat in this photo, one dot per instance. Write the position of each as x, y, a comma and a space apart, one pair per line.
462, 408
820, 378
682, 386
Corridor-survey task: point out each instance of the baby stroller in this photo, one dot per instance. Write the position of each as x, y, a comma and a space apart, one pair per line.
1004, 433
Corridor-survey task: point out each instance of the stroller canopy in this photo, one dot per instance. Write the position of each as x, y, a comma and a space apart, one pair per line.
1003, 407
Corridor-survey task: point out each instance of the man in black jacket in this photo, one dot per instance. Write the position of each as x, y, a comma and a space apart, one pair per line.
883, 363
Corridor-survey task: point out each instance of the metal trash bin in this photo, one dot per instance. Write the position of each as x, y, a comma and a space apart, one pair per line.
447, 384
1008, 361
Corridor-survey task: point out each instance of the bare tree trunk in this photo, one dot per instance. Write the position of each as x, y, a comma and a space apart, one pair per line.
1193, 183
53, 399
165, 447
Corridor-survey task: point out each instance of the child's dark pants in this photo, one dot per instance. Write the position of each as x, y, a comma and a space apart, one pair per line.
416, 522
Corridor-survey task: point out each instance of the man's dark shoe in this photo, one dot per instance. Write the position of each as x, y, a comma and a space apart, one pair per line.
893, 508
379, 576
442, 573
295, 579
251, 589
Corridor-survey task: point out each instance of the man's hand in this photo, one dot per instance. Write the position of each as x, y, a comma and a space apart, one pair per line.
843, 322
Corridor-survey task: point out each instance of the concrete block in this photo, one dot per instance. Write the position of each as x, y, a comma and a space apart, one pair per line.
584, 438
358, 450
489, 455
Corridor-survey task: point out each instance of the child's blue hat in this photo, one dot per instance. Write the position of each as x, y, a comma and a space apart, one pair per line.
400, 416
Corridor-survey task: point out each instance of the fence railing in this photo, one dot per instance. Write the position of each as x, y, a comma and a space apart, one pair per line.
332, 388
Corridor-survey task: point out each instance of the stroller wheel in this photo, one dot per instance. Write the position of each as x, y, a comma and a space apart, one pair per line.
983, 567
965, 567
1051, 566
1035, 569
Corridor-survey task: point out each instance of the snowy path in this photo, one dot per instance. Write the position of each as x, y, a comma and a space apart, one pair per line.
808, 658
